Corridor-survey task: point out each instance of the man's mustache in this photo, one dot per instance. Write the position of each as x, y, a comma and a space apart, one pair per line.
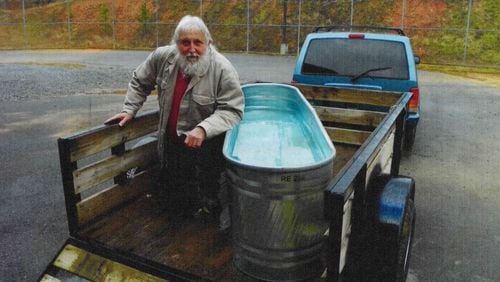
192, 57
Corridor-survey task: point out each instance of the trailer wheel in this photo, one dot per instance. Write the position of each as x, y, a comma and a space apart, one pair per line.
405, 242
394, 245
409, 138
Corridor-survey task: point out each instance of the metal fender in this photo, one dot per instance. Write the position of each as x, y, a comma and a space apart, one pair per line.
393, 199
394, 230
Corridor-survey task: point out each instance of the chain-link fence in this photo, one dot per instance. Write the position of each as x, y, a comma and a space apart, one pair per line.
458, 32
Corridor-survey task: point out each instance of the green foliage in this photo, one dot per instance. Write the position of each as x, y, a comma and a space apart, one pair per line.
227, 19
72, 28
485, 14
372, 13
212, 15
482, 46
104, 19
144, 14
457, 14
262, 15
342, 13
146, 22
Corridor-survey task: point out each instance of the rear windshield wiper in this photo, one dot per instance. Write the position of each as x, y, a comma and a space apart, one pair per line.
365, 73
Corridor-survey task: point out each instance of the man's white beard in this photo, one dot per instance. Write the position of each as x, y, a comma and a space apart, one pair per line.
195, 69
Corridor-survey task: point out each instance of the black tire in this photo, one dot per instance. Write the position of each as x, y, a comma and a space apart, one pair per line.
409, 139
405, 241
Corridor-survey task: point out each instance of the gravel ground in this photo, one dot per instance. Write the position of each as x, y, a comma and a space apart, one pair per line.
26, 77
36, 74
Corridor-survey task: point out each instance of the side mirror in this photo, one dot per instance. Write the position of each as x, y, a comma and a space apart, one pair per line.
417, 60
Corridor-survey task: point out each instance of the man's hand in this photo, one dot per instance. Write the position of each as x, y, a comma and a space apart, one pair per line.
121, 119
195, 137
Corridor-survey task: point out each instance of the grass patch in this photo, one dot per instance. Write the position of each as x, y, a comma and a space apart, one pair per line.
124, 92
119, 92
58, 65
489, 76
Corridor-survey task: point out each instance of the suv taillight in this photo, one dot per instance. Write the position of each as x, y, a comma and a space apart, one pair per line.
356, 36
414, 99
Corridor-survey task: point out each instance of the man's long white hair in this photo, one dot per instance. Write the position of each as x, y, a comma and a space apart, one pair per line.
189, 24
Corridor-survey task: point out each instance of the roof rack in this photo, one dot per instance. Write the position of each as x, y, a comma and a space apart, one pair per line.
357, 27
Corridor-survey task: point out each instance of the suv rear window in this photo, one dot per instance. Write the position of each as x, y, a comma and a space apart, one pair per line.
350, 57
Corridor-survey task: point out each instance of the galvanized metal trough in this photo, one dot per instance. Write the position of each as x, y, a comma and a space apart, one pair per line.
280, 160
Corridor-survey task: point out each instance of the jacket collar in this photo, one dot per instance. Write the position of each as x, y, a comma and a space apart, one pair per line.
171, 59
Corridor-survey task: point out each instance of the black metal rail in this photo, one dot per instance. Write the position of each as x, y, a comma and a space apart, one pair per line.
353, 179
358, 27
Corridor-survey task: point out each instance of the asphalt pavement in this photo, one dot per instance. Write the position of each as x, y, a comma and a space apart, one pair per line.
48, 94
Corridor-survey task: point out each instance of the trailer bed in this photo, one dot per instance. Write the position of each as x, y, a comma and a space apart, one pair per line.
128, 222
144, 228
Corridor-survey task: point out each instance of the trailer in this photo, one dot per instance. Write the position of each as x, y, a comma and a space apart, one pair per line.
120, 228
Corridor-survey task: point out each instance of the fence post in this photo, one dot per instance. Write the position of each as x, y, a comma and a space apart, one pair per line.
24, 27
403, 10
157, 17
298, 29
68, 20
113, 23
284, 44
466, 39
248, 25
352, 11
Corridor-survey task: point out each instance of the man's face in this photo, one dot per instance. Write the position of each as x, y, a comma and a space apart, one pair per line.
192, 45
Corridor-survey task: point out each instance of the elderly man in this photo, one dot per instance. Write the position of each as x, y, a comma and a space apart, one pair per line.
200, 98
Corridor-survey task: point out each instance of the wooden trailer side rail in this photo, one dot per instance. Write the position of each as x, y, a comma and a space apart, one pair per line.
352, 96
349, 188
81, 177
349, 125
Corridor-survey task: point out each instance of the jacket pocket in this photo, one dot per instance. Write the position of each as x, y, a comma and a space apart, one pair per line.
204, 106
203, 100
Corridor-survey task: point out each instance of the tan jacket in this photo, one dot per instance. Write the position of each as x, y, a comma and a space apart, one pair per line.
213, 101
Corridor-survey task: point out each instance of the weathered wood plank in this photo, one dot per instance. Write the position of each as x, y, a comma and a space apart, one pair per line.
48, 278
145, 228
97, 268
344, 153
111, 197
98, 172
347, 136
103, 137
380, 162
364, 97
346, 231
349, 116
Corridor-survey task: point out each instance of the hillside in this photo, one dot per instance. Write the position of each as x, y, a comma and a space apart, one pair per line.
437, 27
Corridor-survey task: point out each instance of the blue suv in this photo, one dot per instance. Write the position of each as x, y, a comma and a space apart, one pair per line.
382, 60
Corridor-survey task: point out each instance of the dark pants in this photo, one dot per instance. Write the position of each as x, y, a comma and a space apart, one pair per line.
192, 175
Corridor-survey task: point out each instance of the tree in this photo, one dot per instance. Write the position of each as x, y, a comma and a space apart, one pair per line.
104, 19
146, 19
